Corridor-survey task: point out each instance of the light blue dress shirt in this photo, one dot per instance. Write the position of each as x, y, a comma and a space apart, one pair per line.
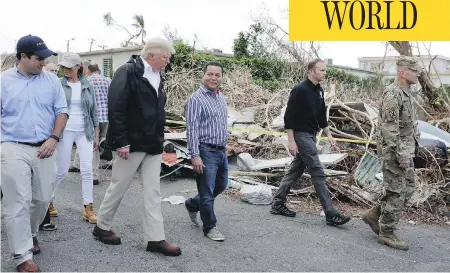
30, 105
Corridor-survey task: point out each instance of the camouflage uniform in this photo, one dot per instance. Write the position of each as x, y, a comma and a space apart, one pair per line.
398, 141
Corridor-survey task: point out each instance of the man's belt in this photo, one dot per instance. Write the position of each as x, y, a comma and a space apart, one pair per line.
217, 147
36, 144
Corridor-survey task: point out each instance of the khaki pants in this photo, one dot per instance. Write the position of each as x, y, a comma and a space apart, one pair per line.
122, 175
28, 184
103, 126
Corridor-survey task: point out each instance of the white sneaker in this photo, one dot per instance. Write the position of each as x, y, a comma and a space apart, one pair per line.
192, 216
215, 235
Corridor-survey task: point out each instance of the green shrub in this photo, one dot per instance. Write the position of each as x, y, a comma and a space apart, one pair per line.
266, 72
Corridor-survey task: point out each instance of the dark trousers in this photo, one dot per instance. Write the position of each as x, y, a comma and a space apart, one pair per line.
211, 183
46, 219
307, 156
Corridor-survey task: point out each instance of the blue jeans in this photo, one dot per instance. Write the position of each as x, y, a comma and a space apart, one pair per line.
211, 183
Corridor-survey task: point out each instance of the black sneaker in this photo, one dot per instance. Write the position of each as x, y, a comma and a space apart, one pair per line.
106, 166
281, 209
48, 227
74, 170
337, 219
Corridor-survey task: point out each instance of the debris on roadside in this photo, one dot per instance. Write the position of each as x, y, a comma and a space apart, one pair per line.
256, 194
258, 141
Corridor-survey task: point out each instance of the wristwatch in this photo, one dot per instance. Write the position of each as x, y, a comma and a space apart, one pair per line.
55, 137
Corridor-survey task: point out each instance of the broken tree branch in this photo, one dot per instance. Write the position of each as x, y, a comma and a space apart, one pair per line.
362, 114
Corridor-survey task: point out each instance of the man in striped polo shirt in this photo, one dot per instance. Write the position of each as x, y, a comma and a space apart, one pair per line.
207, 137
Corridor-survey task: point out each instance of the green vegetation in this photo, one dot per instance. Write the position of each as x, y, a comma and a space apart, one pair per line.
266, 72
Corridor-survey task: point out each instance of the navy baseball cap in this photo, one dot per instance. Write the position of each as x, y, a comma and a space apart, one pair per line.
35, 45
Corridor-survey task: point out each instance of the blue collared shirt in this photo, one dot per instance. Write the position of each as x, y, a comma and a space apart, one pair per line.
30, 105
206, 120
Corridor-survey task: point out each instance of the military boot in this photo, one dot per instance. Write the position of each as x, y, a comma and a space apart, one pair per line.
371, 218
391, 240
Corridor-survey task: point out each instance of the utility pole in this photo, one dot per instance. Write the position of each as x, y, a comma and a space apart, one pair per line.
92, 42
102, 46
68, 43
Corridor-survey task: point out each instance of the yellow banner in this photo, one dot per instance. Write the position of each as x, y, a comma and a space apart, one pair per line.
363, 20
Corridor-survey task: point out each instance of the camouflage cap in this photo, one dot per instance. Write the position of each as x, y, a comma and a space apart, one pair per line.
409, 62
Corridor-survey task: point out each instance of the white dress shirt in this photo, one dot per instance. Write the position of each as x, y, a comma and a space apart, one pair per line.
153, 77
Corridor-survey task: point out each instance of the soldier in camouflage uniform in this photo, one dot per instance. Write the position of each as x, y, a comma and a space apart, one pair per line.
397, 142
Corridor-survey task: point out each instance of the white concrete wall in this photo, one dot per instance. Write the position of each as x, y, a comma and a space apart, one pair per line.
118, 58
389, 68
356, 72
444, 78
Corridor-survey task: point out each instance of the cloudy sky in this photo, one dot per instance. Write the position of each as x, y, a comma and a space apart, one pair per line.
215, 23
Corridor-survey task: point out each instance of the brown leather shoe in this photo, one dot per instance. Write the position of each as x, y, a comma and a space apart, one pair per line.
36, 249
28, 266
106, 236
164, 247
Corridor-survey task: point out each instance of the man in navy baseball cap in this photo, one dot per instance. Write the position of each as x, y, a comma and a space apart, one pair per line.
34, 114
31, 53
35, 45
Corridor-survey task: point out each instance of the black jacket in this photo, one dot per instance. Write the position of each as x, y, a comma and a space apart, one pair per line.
136, 115
306, 111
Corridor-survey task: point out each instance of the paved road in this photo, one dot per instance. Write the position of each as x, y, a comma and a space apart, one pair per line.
256, 240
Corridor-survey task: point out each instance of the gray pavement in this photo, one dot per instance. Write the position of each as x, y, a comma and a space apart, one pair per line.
255, 239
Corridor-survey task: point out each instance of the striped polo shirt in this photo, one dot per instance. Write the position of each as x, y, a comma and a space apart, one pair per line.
206, 115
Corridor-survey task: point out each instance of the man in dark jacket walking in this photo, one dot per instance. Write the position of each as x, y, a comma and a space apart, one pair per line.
305, 114
136, 115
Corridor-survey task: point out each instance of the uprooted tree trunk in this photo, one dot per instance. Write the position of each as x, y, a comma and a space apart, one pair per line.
433, 94
403, 48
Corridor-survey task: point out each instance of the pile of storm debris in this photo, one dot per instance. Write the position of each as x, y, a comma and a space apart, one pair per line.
258, 143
